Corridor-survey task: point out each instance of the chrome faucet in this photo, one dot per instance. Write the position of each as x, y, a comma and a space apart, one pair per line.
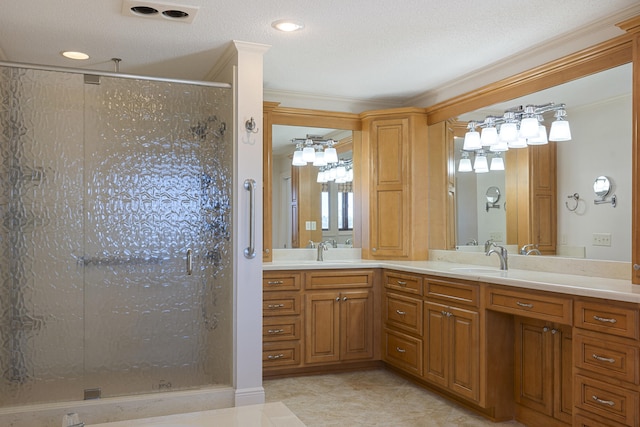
501, 251
322, 246
526, 251
488, 244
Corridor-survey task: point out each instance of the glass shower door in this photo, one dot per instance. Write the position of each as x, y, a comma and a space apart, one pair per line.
157, 237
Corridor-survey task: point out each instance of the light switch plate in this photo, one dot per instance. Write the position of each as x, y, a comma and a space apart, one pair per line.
601, 239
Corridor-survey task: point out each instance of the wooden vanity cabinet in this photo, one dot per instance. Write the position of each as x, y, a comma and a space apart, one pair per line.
543, 372
402, 315
451, 332
281, 320
339, 316
606, 352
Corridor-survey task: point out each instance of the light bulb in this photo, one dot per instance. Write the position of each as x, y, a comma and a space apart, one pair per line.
529, 127
481, 165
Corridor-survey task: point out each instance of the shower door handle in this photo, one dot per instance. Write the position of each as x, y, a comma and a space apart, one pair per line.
250, 186
189, 262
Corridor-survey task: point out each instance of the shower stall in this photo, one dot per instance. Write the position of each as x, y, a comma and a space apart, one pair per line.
116, 272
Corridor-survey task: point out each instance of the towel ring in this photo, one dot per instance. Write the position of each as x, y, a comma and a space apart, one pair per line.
576, 199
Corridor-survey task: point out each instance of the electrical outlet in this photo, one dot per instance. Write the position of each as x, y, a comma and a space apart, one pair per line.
601, 239
307, 225
496, 236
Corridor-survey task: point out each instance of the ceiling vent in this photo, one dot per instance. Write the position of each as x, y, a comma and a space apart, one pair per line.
156, 10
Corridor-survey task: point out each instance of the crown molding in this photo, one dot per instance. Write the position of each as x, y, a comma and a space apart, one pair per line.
330, 103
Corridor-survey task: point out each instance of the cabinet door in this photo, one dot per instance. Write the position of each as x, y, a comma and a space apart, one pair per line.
356, 325
464, 365
563, 375
534, 365
436, 343
322, 333
390, 204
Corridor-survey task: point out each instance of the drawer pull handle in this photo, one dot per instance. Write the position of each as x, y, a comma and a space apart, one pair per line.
275, 356
274, 306
524, 304
604, 319
400, 350
275, 331
603, 402
275, 282
604, 359
401, 313
402, 282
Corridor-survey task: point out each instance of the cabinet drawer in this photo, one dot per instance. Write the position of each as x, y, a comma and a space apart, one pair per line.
606, 357
584, 420
280, 304
607, 318
607, 400
403, 312
280, 354
403, 282
280, 328
338, 279
528, 304
453, 292
281, 281
403, 351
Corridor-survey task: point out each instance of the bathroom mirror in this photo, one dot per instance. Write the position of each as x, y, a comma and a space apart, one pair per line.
602, 187
603, 97
303, 209
493, 195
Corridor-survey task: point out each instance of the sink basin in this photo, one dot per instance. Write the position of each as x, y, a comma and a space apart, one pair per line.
478, 270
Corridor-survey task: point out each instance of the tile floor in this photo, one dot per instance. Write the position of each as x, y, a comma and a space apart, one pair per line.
369, 398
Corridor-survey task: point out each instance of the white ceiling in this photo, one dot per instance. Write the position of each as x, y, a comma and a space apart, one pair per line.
356, 49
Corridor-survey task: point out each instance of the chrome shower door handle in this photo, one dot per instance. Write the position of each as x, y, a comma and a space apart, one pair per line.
250, 186
189, 262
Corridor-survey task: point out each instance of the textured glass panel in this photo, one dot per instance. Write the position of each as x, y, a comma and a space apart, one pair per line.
158, 186
41, 182
103, 190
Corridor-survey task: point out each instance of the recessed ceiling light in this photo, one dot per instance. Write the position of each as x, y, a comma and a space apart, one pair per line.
75, 55
287, 25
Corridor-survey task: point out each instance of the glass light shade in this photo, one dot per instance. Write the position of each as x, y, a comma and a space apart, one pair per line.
497, 164
297, 159
319, 159
472, 141
341, 172
489, 136
529, 127
560, 131
481, 165
308, 154
330, 155
349, 177
330, 175
509, 132
321, 177
518, 143
499, 146
541, 139
465, 165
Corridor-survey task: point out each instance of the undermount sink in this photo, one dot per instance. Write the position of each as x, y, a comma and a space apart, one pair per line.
478, 270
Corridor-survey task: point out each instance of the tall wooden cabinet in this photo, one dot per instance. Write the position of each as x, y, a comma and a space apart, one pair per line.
395, 144
531, 192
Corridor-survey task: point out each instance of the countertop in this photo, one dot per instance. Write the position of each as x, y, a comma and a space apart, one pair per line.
572, 284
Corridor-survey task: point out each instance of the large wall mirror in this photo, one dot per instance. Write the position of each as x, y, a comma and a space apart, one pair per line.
307, 208
599, 110
281, 217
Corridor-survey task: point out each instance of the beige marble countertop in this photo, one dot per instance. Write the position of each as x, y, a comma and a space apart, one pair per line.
572, 284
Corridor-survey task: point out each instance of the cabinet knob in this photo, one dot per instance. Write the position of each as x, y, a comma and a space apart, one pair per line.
344, 298
337, 298
374, 249
636, 267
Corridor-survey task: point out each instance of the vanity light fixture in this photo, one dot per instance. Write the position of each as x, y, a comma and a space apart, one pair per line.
517, 128
314, 149
340, 172
287, 25
481, 165
481, 161
497, 163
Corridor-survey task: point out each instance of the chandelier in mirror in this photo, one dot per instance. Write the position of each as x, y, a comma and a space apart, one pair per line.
518, 127
482, 163
340, 172
315, 150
